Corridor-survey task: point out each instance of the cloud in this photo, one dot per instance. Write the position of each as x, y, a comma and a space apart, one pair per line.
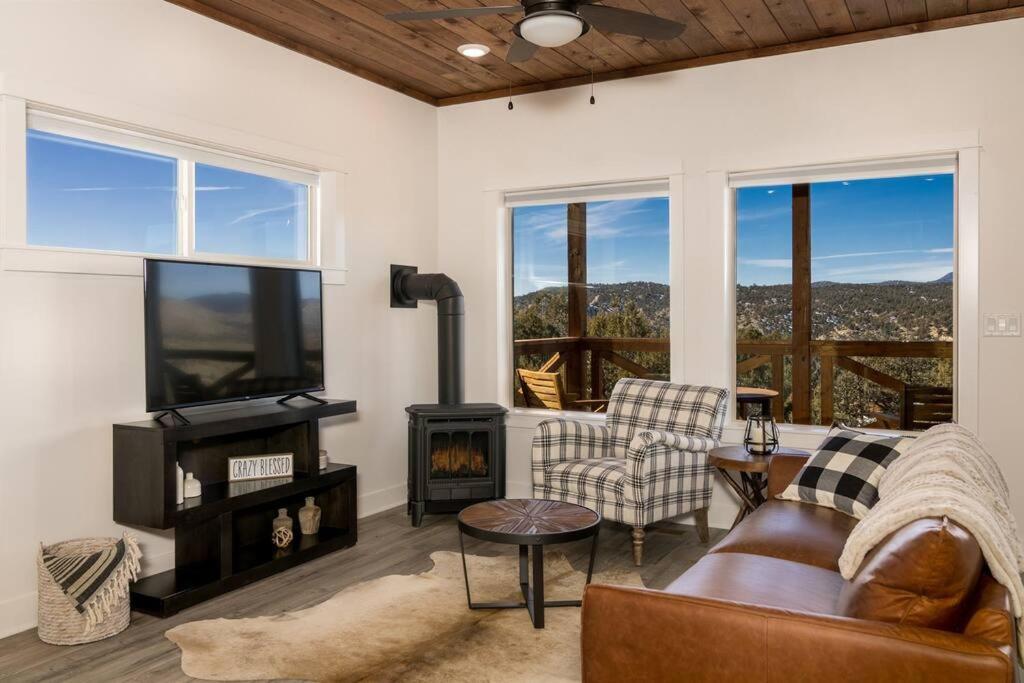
922, 271
788, 263
163, 188
104, 188
764, 214
767, 262
863, 254
260, 212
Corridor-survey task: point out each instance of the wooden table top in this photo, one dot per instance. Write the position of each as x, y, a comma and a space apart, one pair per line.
528, 521
737, 459
754, 393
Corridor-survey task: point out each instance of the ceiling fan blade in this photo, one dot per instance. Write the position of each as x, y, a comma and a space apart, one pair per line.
615, 20
449, 13
520, 50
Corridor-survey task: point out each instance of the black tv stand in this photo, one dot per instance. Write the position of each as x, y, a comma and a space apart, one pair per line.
303, 394
222, 539
176, 417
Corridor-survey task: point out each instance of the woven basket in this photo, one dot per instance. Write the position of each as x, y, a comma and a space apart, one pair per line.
59, 622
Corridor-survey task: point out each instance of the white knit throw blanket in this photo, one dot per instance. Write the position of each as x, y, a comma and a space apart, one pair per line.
946, 472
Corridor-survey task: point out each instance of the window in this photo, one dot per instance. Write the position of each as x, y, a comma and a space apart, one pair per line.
844, 298
590, 299
245, 214
93, 196
102, 189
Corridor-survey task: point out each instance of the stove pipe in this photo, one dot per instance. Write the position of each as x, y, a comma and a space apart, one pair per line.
408, 287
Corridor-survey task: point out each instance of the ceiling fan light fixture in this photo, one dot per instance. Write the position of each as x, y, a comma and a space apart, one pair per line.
551, 30
473, 50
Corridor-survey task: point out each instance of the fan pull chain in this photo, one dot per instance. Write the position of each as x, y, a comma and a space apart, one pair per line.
593, 100
510, 106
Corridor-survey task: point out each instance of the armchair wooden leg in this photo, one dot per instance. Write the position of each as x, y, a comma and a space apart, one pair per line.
638, 547
701, 517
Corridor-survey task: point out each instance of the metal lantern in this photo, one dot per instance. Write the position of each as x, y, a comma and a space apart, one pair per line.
761, 436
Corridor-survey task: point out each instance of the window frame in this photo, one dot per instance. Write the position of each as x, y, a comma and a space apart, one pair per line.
963, 165
666, 187
186, 157
323, 172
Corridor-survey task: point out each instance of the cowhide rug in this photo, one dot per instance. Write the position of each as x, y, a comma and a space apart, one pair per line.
408, 628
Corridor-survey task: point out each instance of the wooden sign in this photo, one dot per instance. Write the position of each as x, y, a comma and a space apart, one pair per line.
249, 467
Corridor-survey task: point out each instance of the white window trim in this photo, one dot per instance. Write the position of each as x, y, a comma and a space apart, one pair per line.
964, 163
325, 233
498, 210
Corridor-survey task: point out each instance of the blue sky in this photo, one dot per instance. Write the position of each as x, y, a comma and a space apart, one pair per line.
627, 240
96, 196
861, 231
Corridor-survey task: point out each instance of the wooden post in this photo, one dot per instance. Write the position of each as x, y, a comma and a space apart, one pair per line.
802, 303
779, 403
827, 374
577, 223
596, 374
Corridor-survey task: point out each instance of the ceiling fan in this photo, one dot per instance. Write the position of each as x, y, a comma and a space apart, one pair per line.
553, 23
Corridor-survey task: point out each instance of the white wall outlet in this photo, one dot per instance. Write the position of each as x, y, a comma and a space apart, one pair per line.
1002, 324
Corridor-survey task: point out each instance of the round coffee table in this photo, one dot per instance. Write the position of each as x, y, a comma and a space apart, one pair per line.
751, 484
531, 524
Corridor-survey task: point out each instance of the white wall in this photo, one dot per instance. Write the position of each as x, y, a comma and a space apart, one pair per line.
907, 95
71, 352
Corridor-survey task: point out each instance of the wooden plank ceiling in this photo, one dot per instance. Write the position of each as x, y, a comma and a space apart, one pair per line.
419, 58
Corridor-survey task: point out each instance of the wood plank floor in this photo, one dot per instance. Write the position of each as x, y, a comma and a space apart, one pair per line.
387, 545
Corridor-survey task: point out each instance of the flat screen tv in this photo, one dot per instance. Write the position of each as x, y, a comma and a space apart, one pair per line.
217, 333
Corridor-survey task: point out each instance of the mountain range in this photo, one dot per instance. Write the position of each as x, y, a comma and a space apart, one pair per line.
896, 310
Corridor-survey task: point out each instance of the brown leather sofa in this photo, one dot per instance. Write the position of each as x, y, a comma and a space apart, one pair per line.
768, 604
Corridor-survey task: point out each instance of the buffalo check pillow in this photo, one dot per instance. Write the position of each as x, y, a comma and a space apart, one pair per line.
844, 473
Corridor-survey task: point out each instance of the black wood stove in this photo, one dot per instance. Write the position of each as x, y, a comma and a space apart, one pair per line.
456, 456
456, 449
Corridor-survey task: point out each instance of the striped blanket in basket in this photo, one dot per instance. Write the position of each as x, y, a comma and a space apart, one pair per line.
96, 582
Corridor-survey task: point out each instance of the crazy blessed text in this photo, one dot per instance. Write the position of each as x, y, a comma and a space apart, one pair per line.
260, 467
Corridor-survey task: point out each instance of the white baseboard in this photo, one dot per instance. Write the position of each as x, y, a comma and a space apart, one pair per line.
382, 499
17, 614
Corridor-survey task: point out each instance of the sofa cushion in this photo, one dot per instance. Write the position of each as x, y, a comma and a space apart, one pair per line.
844, 472
924, 574
759, 580
787, 530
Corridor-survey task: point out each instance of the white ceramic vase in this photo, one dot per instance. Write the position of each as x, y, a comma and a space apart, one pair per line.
193, 487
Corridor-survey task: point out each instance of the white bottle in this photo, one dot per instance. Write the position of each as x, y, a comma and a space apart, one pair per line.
180, 495
193, 488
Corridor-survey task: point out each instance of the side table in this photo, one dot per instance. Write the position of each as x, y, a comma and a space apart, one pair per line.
750, 481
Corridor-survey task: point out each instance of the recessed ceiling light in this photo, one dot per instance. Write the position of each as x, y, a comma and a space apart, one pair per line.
473, 50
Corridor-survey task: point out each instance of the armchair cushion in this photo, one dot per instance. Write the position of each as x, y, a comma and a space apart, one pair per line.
598, 478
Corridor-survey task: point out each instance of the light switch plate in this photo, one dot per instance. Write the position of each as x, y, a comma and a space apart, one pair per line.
1002, 324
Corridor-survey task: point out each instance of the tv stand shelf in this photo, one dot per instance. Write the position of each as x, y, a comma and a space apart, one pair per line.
222, 539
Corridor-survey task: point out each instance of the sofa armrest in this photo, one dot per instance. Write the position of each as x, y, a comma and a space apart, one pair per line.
782, 470
638, 634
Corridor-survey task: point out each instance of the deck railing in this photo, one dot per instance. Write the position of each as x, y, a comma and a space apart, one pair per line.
568, 354
919, 405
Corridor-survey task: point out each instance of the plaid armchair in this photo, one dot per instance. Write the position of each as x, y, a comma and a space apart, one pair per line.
648, 462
